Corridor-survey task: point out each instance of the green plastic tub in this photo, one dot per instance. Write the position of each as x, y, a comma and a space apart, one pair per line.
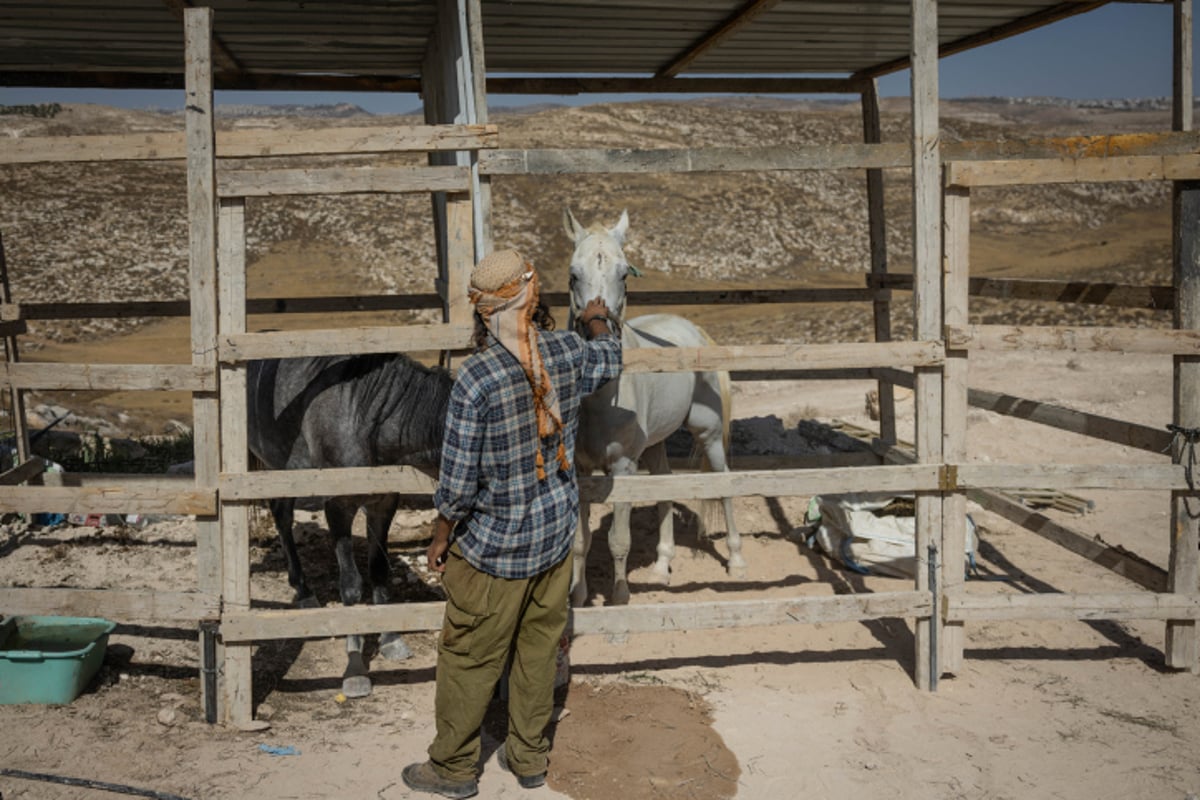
50, 659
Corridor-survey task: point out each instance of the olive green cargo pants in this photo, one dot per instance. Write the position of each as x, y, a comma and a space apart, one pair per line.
487, 618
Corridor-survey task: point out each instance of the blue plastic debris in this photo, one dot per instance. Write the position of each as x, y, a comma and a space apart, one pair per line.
277, 750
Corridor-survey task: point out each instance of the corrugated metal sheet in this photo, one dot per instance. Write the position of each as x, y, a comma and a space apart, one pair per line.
41, 40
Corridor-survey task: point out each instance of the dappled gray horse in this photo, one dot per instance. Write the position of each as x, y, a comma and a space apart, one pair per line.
347, 411
628, 420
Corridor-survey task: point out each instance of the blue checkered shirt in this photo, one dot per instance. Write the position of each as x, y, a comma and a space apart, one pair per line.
510, 524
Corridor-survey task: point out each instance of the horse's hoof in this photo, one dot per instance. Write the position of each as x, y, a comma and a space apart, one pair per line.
737, 571
394, 648
356, 686
659, 577
307, 602
620, 595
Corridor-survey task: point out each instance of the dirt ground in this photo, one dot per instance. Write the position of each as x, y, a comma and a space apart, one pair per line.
1040, 709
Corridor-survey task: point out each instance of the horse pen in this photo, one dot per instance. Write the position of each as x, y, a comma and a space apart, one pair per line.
465, 158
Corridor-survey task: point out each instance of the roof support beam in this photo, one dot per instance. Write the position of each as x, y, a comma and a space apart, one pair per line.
223, 60
674, 85
1059, 12
738, 19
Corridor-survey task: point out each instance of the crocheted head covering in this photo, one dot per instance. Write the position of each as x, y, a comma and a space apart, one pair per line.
504, 291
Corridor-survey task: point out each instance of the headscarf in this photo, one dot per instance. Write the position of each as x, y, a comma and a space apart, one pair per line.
504, 291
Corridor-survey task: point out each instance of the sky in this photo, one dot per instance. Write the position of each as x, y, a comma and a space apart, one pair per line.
1118, 51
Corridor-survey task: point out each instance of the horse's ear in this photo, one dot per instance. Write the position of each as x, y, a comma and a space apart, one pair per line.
571, 225
622, 227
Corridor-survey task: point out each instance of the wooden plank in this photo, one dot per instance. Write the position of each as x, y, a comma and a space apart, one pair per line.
1082, 339
1007, 607
1182, 79
107, 500
877, 240
1128, 434
1071, 476
341, 180
619, 85
121, 480
1127, 564
1081, 292
784, 356
13, 328
1066, 170
739, 19
927, 302
326, 622
251, 143
344, 341
715, 159
152, 606
264, 484
109, 377
12, 355
22, 472
957, 231
1182, 637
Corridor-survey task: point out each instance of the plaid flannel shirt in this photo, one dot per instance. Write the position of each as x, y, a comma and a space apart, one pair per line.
510, 524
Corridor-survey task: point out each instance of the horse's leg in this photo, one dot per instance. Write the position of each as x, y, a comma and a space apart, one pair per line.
714, 451
583, 543
339, 515
380, 512
655, 459
619, 538
283, 512
706, 421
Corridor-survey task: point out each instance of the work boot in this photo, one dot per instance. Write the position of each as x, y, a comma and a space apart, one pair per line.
526, 781
424, 778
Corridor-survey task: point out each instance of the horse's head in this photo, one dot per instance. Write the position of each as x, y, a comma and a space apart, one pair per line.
598, 266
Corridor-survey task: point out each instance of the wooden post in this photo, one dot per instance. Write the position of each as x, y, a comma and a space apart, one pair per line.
1182, 648
955, 402
451, 92
877, 227
927, 305
235, 516
12, 356
481, 209
202, 239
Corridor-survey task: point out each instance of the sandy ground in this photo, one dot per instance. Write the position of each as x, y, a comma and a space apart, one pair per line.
1040, 709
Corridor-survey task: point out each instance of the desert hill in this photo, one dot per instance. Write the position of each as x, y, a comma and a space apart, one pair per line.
80, 232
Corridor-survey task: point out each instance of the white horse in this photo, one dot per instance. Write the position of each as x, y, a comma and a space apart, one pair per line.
629, 419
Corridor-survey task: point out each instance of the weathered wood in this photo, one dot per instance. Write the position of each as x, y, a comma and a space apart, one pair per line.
1129, 434
14, 328
147, 606
12, 355
1182, 638
877, 240
343, 341
1005, 607
1182, 97
107, 500
1082, 292
22, 472
957, 232
1086, 339
1113, 557
617, 85
341, 180
784, 356
251, 143
120, 480
109, 377
324, 622
1070, 476
927, 307
1073, 170
740, 18
263, 484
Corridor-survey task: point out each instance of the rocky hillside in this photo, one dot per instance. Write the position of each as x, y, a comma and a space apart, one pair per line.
117, 231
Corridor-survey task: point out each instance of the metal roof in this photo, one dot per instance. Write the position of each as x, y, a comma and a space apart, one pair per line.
380, 44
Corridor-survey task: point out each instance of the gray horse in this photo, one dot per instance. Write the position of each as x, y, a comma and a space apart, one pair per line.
347, 411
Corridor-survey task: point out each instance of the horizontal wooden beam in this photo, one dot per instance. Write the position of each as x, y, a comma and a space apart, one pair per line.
109, 377
1082, 339
343, 341
341, 180
251, 143
784, 356
574, 86
1082, 292
1073, 170
1066, 476
107, 500
118, 605
1126, 606
252, 626
265, 484
13, 328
